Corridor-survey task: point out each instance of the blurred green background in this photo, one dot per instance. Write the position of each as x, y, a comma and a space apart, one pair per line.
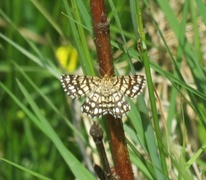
38, 28
38, 42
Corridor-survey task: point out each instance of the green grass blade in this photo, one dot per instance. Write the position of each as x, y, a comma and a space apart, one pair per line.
47, 65
47, 16
81, 172
186, 47
80, 40
202, 10
50, 103
25, 169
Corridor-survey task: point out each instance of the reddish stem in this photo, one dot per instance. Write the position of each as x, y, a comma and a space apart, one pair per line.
115, 127
101, 37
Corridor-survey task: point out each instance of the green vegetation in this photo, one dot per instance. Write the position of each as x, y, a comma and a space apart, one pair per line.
42, 132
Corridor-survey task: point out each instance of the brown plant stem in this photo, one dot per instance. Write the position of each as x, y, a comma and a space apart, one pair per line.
101, 37
97, 134
115, 127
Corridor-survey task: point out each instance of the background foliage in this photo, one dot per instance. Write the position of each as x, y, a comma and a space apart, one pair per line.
43, 134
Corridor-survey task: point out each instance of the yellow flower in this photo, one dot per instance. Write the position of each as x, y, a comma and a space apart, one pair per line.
67, 57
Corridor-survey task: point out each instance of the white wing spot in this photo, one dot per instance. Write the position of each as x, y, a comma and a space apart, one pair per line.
95, 111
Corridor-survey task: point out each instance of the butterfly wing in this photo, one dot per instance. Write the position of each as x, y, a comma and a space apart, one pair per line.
94, 106
76, 86
104, 95
131, 86
119, 106
98, 104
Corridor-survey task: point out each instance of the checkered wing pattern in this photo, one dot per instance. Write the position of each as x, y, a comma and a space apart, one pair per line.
97, 104
130, 86
103, 95
76, 86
